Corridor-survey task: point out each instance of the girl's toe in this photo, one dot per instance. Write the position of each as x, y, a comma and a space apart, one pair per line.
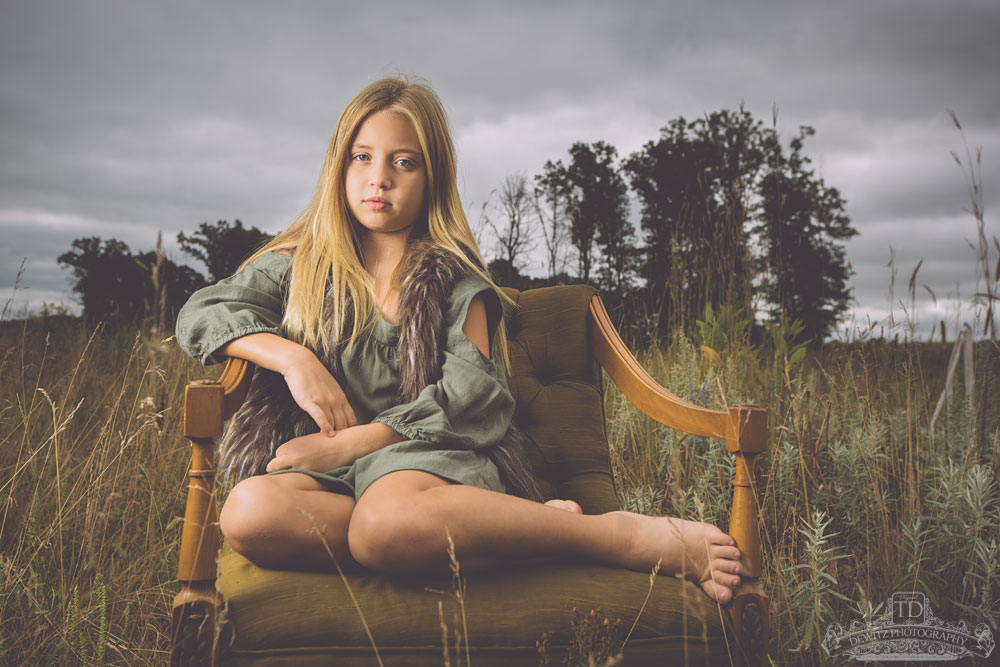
726, 552
726, 565
716, 536
715, 591
725, 579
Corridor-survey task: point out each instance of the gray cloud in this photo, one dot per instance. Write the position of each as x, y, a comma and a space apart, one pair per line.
121, 119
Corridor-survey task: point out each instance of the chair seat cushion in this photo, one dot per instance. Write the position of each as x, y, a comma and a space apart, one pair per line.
303, 618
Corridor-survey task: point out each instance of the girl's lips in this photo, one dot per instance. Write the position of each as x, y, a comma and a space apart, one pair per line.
376, 204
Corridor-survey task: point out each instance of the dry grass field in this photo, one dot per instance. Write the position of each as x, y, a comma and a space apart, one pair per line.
860, 497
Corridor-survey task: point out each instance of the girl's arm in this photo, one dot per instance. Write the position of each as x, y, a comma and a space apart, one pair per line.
319, 453
310, 383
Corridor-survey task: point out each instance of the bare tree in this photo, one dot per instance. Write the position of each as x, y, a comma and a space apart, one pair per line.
516, 209
552, 193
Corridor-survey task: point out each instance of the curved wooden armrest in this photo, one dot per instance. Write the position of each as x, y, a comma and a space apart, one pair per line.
647, 394
235, 381
743, 427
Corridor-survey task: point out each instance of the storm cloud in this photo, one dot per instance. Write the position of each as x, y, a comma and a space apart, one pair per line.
125, 119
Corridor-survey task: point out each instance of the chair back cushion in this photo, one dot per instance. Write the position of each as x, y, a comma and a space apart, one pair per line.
558, 387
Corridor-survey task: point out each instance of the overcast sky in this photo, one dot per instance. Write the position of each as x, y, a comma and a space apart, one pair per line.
119, 119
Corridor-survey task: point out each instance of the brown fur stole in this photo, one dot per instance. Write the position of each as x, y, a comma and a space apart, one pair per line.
270, 416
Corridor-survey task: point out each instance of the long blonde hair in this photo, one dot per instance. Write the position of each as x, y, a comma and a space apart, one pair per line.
327, 260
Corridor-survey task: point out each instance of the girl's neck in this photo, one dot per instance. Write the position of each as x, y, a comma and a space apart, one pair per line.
382, 253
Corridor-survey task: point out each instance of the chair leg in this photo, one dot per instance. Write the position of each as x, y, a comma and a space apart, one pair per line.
750, 612
194, 637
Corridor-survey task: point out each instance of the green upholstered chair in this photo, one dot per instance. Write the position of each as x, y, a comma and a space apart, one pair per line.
232, 612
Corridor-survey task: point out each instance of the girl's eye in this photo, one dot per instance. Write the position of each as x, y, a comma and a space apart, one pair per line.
406, 162
360, 157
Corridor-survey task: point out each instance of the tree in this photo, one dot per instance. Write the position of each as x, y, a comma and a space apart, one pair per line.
107, 279
599, 212
513, 234
694, 183
111, 282
222, 247
803, 225
552, 202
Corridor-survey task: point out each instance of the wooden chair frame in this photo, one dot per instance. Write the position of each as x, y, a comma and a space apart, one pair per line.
208, 404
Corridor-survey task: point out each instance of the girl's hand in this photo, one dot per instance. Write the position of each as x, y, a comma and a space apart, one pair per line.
316, 452
312, 386
320, 453
318, 393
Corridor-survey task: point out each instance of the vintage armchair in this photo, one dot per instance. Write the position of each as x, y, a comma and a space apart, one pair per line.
231, 612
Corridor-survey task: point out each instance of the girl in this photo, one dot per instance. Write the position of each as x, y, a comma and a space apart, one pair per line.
371, 317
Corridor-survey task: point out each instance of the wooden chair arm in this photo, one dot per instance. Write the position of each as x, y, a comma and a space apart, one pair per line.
650, 397
744, 429
207, 406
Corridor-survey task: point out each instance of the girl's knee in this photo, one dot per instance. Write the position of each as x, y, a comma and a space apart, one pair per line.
251, 513
390, 536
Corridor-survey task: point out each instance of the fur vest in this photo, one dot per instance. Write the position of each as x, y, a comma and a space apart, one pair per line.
269, 416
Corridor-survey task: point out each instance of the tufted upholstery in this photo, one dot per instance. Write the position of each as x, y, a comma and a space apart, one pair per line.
557, 385
305, 618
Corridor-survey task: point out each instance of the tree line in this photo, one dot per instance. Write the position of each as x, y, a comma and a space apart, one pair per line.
728, 216
114, 283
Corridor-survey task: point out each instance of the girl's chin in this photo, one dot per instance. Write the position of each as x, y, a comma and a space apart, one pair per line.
389, 229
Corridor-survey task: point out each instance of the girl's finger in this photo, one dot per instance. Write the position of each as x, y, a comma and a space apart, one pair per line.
321, 418
339, 419
351, 419
331, 419
277, 463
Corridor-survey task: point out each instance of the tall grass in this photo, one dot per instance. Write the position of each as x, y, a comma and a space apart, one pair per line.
859, 497
92, 486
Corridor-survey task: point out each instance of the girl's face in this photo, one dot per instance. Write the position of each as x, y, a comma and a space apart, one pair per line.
386, 179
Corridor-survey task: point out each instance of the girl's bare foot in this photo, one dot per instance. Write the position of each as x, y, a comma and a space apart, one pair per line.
699, 551
567, 505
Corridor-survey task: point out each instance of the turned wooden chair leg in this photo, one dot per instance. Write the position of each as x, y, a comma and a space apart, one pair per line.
196, 607
193, 625
750, 610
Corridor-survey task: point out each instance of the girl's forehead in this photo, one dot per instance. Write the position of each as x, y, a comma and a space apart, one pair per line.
388, 127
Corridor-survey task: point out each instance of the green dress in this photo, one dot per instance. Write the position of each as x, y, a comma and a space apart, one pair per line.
450, 425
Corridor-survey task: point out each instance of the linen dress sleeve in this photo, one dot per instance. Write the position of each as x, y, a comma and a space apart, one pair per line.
470, 407
249, 301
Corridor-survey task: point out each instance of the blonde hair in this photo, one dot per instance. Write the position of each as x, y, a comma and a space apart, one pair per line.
327, 260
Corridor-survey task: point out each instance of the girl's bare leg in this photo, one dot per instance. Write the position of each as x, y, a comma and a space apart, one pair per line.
267, 520
399, 525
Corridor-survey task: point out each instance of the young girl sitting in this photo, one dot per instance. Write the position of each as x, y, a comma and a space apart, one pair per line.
372, 318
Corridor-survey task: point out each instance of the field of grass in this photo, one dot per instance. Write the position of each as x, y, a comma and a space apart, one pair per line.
860, 497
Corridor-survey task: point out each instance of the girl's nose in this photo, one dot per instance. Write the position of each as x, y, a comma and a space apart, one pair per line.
380, 179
